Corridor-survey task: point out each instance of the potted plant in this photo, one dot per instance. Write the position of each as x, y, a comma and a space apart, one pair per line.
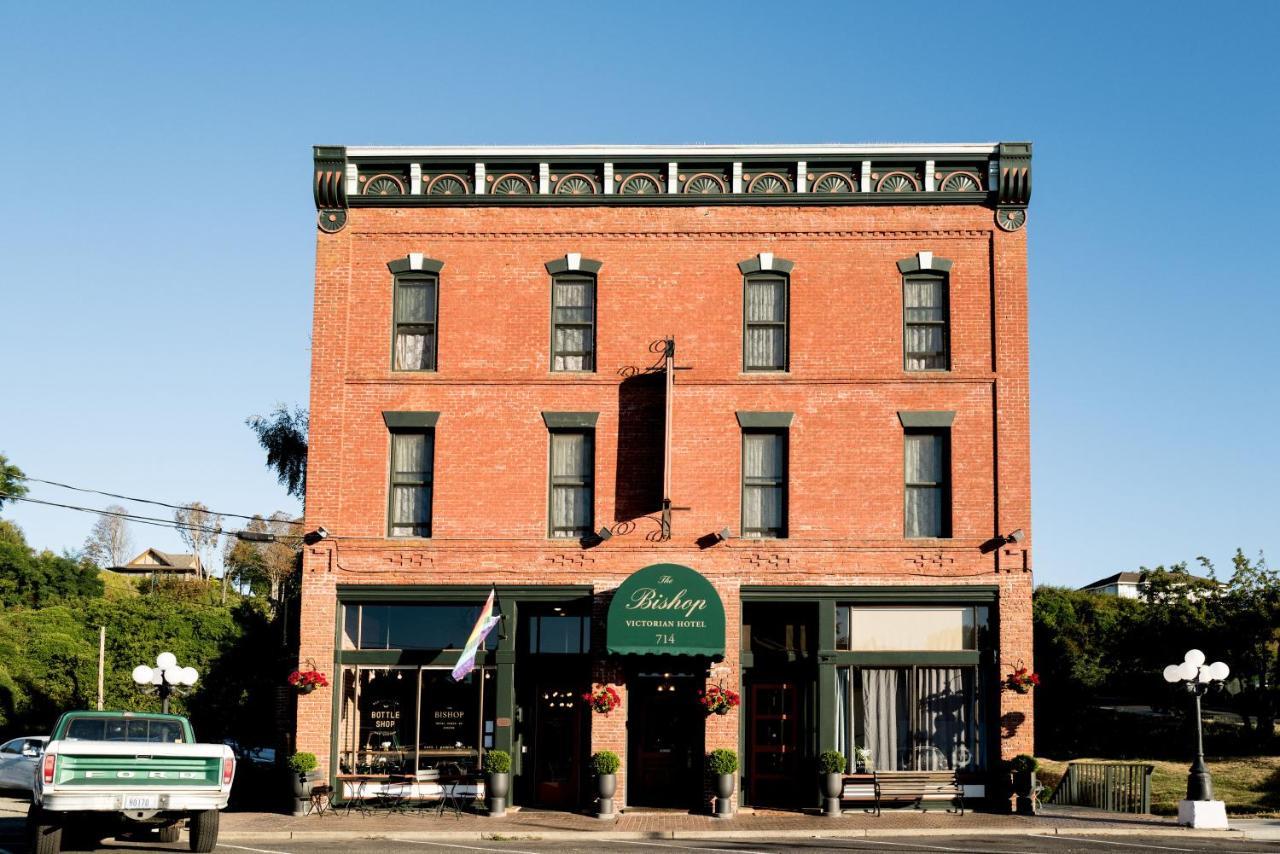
718, 700
861, 759
303, 770
1021, 680
1023, 768
723, 765
306, 681
603, 700
606, 764
831, 765
497, 764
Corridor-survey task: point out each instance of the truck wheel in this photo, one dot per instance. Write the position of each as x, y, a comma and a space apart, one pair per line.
204, 831
45, 831
169, 832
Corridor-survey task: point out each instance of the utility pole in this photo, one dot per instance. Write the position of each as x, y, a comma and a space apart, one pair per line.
102, 660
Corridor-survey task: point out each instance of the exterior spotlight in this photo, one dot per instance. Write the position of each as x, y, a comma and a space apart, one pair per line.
313, 537
723, 534
1017, 536
604, 533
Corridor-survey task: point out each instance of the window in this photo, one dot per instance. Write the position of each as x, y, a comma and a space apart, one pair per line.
415, 322
764, 344
923, 718
894, 628
562, 634
373, 626
928, 466
764, 483
925, 335
412, 471
573, 323
572, 482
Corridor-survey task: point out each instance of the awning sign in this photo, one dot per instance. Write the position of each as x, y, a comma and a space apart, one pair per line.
666, 609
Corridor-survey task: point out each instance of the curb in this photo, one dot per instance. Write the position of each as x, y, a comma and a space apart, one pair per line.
514, 835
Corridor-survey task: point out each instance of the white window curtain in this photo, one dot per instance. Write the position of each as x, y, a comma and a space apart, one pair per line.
415, 307
412, 460
766, 324
924, 485
763, 461
573, 302
886, 724
571, 484
926, 316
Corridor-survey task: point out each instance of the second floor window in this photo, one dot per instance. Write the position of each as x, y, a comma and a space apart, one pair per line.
764, 343
412, 473
764, 483
415, 323
573, 462
925, 322
928, 483
573, 323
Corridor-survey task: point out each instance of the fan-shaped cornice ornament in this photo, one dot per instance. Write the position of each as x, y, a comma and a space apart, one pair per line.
512, 185
383, 185
834, 182
704, 183
576, 184
961, 182
898, 182
641, 184
331, 221
1011, 219
769, 183
448, 185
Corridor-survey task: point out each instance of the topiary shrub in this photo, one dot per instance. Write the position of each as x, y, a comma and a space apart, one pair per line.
606, 762
722, 762
497, 762
303, 763
1024, 763
831, 762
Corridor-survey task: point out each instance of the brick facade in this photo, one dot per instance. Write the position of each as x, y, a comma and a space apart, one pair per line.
670, 272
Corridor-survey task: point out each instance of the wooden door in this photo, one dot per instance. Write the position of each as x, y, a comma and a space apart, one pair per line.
774, 738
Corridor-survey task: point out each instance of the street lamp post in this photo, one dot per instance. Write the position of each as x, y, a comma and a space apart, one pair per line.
166, 676
1198, 679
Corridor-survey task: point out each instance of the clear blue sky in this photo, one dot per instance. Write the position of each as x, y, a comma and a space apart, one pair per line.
156, 242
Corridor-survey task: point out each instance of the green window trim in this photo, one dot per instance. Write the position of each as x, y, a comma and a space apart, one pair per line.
573, 264
758, 330
764, 420
415, 316
415, 262
765, 483
574, 321
926, 418
756, 264
410, 420
570, 420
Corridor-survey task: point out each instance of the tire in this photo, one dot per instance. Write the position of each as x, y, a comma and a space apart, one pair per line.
169, 832
44, 830
204, 831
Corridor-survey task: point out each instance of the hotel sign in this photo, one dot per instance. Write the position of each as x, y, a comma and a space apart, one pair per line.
666, 609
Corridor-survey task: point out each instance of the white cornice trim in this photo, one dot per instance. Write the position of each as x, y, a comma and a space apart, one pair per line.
668, 152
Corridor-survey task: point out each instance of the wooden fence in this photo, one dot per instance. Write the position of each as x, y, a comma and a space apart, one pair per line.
1111, 786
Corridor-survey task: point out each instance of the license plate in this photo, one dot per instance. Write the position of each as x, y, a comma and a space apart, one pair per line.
141, 802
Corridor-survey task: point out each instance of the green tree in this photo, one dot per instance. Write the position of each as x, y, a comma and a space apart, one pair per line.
283, 435
12, 481
31, 579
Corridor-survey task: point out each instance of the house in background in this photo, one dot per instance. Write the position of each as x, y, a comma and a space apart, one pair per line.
1130, 585
153, 562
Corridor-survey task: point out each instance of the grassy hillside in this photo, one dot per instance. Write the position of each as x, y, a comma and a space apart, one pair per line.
1250, 785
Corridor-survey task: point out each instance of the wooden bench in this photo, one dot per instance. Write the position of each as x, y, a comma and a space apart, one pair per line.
860, 787
918, 786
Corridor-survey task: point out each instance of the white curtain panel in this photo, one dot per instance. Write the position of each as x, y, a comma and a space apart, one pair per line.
414, 351
885, 721
766, 345
924, 503
411, 454
762, 458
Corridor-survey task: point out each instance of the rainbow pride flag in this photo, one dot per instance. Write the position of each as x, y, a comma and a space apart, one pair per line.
484, 624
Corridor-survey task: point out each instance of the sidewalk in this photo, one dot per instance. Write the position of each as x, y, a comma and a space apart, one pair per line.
548, 825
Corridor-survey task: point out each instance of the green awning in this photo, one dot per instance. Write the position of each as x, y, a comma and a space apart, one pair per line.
666, 609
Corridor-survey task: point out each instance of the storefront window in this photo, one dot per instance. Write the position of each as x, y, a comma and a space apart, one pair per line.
408, 626
415, 720
911, 718
903, 629
556, 633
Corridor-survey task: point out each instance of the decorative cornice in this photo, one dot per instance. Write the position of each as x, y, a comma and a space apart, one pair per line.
994, 174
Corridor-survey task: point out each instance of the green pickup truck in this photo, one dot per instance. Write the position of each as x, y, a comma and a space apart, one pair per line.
127, 771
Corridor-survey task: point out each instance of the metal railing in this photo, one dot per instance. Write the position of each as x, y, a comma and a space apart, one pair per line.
1110, 786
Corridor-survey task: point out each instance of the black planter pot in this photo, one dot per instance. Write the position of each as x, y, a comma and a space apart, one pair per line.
497, 788
724, 795
606, 785
832, 787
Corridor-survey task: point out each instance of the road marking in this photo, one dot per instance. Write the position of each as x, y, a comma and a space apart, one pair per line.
911, 845
456, 845
246, 848
1106, 842
688, 847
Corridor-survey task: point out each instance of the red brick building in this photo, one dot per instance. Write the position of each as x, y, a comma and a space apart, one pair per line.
632, 386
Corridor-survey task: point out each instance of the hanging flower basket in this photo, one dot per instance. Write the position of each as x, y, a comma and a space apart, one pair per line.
306, 681
1022, 680
603, 700
718, 700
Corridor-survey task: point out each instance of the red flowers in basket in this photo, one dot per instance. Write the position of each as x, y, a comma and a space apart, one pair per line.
1022, 680
603, 700
307, 681
718, 700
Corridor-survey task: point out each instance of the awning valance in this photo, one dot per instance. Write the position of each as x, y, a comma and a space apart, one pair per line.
666, 609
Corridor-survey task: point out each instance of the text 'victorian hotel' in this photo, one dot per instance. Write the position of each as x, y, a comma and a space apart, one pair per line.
743, 418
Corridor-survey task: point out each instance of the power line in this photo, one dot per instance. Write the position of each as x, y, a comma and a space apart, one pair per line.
143, 500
